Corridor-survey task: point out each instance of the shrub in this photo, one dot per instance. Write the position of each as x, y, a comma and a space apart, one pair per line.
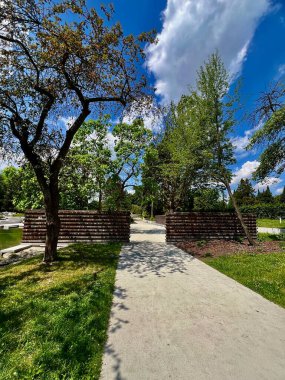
271, 211
135, 209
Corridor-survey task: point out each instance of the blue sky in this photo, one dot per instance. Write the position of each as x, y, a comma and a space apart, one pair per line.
249, 35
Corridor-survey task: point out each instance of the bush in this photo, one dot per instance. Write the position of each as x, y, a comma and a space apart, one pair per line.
271, 211
135, 209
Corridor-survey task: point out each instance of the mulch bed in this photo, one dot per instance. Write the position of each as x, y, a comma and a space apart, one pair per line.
216, 248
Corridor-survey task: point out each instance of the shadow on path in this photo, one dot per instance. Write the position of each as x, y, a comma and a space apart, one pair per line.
142, 259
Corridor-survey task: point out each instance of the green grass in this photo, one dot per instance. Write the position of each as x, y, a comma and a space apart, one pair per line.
11, 237
53, 319
265, 274
270, 223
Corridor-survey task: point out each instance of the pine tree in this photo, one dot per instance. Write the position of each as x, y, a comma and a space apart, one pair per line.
282, 196
245, 194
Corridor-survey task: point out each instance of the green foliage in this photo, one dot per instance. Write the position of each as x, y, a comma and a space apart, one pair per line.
244, 194
208, 200
92, 177
271, 237
9, 187
265, 274
271, 211
265, 196
271, 112
135, 209
53, 320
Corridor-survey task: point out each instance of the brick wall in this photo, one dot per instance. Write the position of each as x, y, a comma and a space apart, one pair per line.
160, 219
183, 226
79, 226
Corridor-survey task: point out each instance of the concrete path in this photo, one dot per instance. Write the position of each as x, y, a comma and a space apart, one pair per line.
174, 317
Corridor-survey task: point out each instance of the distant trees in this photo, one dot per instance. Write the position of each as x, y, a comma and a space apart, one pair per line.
100, 166
245, 193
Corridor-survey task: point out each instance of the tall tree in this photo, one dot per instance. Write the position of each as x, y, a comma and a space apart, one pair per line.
265, 196
282, 196
202, 140
270, 112
244, 194
217, 115
52, 68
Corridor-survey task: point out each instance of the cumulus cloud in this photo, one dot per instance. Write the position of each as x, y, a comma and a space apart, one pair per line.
241, 142
192, 30
150, 113
272, 182
245, 171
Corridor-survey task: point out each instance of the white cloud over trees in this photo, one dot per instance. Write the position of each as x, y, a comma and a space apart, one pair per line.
192, 30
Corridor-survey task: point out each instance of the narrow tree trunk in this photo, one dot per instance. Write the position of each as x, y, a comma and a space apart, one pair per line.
100, 200
151, 210
52, 223
239, 215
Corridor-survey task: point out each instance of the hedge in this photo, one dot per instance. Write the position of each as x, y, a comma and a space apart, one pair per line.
271, 211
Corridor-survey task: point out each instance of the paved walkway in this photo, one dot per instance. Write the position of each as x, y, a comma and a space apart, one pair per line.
174, 317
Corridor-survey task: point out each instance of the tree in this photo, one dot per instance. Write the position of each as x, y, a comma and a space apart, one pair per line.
265, 196
282, 196
90, 177
166, 166
88, 163
208, 200
210, 118
244, 194
52, 68
10, 187
270, 112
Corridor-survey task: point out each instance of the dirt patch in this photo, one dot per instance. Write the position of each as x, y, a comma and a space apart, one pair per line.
216, 248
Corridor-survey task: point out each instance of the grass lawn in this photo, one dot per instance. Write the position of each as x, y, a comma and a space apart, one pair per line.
53, 319
270, 223
11, 237
265, 274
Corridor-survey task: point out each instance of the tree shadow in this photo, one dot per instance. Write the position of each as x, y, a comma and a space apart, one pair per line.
145, 258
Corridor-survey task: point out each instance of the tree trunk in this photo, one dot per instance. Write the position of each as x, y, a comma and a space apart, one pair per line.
100, 200
239, 215
151, 210
52, 223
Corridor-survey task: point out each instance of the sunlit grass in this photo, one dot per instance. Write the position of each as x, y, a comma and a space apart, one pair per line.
11, 237
265, 274
270, 223
53, 319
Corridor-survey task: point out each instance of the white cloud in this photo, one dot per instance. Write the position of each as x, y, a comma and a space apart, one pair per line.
280, 72
241, 142
272, 182
111, 144
192, 30
67, 121
279, 190
150, 113
245, 171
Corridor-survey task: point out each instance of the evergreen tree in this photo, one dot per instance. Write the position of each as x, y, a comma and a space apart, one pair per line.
282, 196
265, 196
244, 193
